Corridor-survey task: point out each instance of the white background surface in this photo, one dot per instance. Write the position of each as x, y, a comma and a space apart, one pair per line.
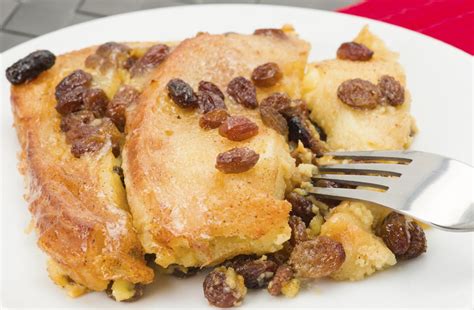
439, 78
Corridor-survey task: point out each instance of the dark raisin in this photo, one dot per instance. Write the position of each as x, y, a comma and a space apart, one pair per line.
71, 101
278, 101
297, 107
299, 131
209, 101
395, 232
257, 273
267, 75
139, 290
236, 160
119, 171
96, 101
354, 51
392, 91
406, 239
210, 87
417, 242
76, 119
218, 292
29, 67
152, 58
298, 230
70, 92
213, 119
273, 119
116, 108
243, 92
271, 32
93, 136
238, 128
301, 207
181, 93
359, 93
283, 275
317, 257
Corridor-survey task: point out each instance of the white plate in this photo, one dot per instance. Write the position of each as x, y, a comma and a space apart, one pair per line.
439, 78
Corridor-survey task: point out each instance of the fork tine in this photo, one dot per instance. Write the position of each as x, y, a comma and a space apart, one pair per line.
402, 156
364, 180
349, 194
381, 169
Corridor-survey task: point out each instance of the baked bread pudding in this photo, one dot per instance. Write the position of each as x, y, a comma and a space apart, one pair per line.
149, 159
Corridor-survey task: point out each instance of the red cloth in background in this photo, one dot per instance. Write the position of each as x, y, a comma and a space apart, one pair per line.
451, 21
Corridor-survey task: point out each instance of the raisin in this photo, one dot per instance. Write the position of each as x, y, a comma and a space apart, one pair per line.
243, 92
404, 238
138, 288
273, 119
181, 93
271, 32
299, 131
108, 56
257, 272
236, 160
93, 136
210, 87
152, 58
238, 128
213, 119
209, 101
354, 51
298, 230
119, 171
359, 93
278, 101
220, 291
70, 92
96, 101
317, 257
392, 91
283, 275
124, 97
395, 232
76, 119
417, 242
301, 207
29, 67
267, 75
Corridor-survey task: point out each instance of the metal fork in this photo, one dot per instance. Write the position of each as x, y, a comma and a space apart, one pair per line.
430, 188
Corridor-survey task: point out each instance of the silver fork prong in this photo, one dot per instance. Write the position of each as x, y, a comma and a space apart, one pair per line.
401, 156
375, 168
358, 180
349, 194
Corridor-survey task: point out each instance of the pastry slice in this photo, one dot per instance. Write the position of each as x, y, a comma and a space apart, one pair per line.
360, 101
186, 210
68, 121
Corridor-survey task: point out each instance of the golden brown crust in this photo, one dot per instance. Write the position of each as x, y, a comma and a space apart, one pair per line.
78, 205
185, 210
